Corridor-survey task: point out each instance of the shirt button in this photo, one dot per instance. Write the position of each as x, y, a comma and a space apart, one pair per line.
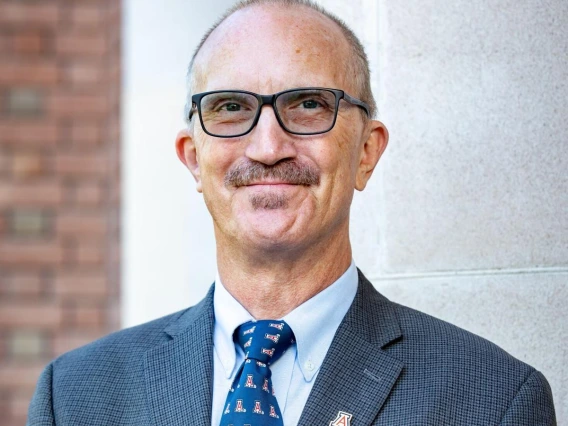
309, 365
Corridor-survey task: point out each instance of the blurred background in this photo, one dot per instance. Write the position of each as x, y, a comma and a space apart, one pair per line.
101, 227
60, 96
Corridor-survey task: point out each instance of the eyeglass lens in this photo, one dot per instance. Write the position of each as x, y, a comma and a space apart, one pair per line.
303, 111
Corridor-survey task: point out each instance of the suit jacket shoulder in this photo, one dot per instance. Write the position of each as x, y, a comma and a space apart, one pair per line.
106, 382
125, 343
412, 368
432, 340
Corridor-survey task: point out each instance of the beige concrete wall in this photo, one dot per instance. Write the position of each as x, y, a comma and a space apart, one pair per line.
467, 216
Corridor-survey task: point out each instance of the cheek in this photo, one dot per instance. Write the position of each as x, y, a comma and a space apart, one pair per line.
213, 165
337, 183
215, 157
342, 160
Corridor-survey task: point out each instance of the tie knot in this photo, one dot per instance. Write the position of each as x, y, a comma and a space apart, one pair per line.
265, 340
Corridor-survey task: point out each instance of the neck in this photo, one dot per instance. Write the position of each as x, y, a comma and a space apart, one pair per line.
270, 286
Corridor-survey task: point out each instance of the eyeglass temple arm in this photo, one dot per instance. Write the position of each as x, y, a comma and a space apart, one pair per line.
191, 111
356, 102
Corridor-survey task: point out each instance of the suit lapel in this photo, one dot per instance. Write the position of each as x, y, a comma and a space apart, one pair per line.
357, 376
179, 373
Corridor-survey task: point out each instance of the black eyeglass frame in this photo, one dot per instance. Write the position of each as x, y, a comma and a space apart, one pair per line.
271, 100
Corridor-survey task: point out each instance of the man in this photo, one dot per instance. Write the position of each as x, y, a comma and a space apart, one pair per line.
280, 133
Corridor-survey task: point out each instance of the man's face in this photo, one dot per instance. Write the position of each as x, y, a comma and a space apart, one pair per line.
266, 50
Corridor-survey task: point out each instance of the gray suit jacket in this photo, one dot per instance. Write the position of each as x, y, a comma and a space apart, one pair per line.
387, 365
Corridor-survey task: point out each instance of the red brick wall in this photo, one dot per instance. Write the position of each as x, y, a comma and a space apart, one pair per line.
59, 185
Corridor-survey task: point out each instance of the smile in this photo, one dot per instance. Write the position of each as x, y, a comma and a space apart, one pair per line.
271, 183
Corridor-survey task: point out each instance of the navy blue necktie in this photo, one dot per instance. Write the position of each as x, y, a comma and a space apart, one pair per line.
251, 399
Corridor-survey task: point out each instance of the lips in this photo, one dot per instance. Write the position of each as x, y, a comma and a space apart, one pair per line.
271, 183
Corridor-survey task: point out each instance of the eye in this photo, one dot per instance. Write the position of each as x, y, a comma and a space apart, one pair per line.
231, 107
310, 104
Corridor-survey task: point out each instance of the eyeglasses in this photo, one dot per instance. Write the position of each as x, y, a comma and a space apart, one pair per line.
302, 111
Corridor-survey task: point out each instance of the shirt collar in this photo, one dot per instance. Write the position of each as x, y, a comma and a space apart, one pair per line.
229, 314
314, 322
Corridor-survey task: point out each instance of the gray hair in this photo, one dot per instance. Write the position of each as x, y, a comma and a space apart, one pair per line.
358, 67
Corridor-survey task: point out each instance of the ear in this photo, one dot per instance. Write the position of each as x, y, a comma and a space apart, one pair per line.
371, 152
186, 152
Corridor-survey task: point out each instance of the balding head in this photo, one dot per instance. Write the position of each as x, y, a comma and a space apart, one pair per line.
253, 26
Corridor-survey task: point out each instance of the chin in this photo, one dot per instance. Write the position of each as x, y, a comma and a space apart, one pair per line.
270, 229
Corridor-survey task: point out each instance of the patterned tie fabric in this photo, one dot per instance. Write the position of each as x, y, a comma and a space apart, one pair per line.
251, 399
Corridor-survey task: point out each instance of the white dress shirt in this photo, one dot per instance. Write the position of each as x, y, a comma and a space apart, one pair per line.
314, 324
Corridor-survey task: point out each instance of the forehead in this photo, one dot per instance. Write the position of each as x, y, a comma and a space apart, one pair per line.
272, 48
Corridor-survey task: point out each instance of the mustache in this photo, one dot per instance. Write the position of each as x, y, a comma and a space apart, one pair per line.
288, 171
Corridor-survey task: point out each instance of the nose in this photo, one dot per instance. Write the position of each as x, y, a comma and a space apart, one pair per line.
269, 143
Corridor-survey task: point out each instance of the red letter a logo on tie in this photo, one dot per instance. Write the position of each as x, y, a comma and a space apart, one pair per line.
257, 409
239, 408
249, 383
273, 413
342, 419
